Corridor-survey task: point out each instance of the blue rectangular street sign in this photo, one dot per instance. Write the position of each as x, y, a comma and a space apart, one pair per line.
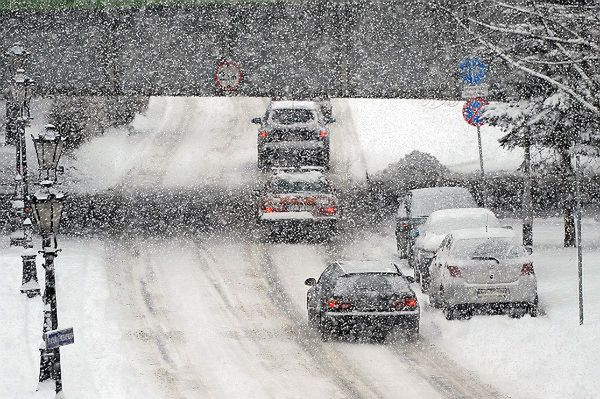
56, 338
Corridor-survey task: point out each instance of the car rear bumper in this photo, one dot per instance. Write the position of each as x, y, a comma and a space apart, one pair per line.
294, 218
348, 320
523, 290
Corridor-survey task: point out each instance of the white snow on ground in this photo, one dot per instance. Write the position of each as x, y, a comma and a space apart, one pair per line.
389, 129
160, 319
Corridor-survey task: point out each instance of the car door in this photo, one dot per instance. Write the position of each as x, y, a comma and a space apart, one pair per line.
435, 268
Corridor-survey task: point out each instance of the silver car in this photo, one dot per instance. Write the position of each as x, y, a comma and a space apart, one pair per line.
483, 269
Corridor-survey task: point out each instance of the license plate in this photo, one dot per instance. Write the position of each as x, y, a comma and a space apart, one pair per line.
492, 292
296, 208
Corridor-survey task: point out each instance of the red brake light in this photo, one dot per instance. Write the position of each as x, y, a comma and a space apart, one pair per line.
323, 134
336, 304
267, 210
527, 269
410, 302
330, 210
454, 271
263, 134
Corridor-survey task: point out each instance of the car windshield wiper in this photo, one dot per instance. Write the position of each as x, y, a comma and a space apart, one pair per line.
485, 258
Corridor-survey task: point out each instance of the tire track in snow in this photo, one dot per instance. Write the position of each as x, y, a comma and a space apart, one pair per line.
332, 362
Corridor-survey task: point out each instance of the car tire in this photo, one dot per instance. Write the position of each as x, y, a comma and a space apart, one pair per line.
412, 331
402, 253
313, 318
325, 330
449, 312
424, 280
262, 161
533, 308
517, 313
436, 299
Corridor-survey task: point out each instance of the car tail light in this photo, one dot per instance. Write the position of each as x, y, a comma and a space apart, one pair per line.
527, 269
405, 226
330, 210
310, 200
323, 134
263, 134
336, 304
409, 303
267, 209
454, 271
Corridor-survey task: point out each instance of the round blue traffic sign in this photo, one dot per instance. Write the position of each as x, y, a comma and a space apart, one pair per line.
472, 70
472, 111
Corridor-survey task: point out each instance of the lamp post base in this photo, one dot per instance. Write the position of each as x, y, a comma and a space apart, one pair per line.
29, 284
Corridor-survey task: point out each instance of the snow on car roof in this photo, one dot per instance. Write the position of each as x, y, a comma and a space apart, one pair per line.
460, 212
482, 232
309, 176
367, 266
294, 104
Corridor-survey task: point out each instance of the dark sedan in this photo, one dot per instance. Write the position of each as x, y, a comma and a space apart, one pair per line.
359, 296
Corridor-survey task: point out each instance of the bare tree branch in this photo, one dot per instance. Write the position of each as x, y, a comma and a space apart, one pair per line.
576, 96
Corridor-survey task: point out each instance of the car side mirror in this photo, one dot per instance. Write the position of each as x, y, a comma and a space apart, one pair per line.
414, 233
311, 282
410, 279
258, 121
329, 119
256, 192
529, 250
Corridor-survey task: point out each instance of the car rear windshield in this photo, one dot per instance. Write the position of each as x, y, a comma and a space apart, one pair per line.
281, 186
424, 204
292, 116
482, 248
385, 283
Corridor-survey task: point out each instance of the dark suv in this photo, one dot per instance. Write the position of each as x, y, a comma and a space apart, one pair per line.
362, 295
416, 206
293, 133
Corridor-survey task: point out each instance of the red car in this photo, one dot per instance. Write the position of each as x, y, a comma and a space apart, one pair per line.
296, 198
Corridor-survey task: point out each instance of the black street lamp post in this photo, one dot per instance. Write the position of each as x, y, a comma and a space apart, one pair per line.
17, 59
48, 147
47, 209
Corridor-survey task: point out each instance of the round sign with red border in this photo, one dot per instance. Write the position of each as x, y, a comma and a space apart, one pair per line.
228, 75
472, 111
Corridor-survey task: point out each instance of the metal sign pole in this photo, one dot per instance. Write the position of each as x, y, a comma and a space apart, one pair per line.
483, 185
578, 231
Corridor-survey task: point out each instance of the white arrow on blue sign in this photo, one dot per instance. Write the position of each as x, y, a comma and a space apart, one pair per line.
56, 338
472, 70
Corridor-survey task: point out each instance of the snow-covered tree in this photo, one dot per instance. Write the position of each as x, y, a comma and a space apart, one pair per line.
552, 93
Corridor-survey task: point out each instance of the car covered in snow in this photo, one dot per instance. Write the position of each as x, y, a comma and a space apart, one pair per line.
298, 197
483, 268
362, 296
293, 133
431, 234
418, 204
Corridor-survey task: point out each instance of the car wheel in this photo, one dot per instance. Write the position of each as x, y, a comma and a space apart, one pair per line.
325, 330
450, 312
313, 318
424, 279
436, 298
533, 308
402, 253
517, 312
412, 331
262, 162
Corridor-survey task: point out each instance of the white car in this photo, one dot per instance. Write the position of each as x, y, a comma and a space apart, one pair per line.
433, 231
483, 268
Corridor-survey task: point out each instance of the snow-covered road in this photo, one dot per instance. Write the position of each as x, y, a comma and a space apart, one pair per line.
219, 315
